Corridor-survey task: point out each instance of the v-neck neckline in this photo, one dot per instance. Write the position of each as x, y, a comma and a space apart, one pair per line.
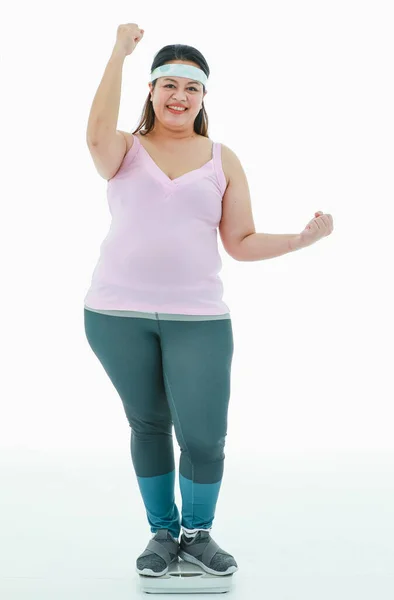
156, 170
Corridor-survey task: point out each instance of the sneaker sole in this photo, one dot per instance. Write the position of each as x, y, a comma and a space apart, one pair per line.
192, 559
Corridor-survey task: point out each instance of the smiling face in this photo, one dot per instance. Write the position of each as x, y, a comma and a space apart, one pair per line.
177, 91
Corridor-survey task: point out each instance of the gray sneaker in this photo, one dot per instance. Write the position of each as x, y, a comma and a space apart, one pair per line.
204, 552
161, 551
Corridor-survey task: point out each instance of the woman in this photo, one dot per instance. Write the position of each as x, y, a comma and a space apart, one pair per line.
154, 314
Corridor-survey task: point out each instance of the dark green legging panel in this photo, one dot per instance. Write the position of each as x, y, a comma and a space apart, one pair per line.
170, 371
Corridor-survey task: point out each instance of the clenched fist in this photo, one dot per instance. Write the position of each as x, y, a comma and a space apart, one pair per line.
319, 227
127, 37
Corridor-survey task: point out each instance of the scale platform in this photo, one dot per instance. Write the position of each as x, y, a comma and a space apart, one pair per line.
185, 578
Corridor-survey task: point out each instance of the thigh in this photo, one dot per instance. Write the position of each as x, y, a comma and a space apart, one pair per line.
197, 358
129, 350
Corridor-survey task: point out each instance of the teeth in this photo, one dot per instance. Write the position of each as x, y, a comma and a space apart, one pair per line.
177, 108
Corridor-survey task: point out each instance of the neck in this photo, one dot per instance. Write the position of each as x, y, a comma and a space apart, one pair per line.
161, 133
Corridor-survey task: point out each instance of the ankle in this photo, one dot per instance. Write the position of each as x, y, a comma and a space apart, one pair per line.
191, 533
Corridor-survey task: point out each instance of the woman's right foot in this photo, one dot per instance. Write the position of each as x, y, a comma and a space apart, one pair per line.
161, 551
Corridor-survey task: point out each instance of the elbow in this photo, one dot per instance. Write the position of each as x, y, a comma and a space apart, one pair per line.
238, 252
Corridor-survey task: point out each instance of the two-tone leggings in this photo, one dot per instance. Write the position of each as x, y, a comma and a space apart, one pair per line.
170, 370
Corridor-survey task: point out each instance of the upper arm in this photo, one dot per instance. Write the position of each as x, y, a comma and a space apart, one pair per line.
237, 217
108, 153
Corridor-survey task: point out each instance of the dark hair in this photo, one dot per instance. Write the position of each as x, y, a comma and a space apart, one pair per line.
166, 54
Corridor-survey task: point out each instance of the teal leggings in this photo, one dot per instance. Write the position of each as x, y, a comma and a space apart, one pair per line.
170, 370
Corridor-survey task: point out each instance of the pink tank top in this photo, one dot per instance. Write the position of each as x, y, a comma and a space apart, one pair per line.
161, 252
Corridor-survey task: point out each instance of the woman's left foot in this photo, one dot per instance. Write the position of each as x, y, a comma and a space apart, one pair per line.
203, 551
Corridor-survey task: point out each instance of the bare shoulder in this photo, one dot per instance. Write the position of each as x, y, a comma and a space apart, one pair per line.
129, 139
231, 164
228, 155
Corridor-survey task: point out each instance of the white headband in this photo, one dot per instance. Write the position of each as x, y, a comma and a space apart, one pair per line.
179, 70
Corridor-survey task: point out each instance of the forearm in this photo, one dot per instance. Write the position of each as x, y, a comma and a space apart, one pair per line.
260, 246
104, 112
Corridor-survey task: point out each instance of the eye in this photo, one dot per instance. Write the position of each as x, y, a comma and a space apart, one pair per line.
190, 88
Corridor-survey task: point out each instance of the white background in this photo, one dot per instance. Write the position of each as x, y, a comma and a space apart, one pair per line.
302, 92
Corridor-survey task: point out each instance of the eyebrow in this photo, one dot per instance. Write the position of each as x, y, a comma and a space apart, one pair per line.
169, 79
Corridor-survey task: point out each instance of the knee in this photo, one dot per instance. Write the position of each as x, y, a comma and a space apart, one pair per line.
206, 451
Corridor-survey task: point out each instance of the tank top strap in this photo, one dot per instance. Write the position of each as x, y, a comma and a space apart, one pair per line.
217, 163
132, 151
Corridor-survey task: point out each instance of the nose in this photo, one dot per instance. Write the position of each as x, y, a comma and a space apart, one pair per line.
179, 97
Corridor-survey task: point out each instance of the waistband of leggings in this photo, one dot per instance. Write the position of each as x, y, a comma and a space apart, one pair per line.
156, 315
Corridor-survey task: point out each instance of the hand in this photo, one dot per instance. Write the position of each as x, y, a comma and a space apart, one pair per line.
127, 37
317, 228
